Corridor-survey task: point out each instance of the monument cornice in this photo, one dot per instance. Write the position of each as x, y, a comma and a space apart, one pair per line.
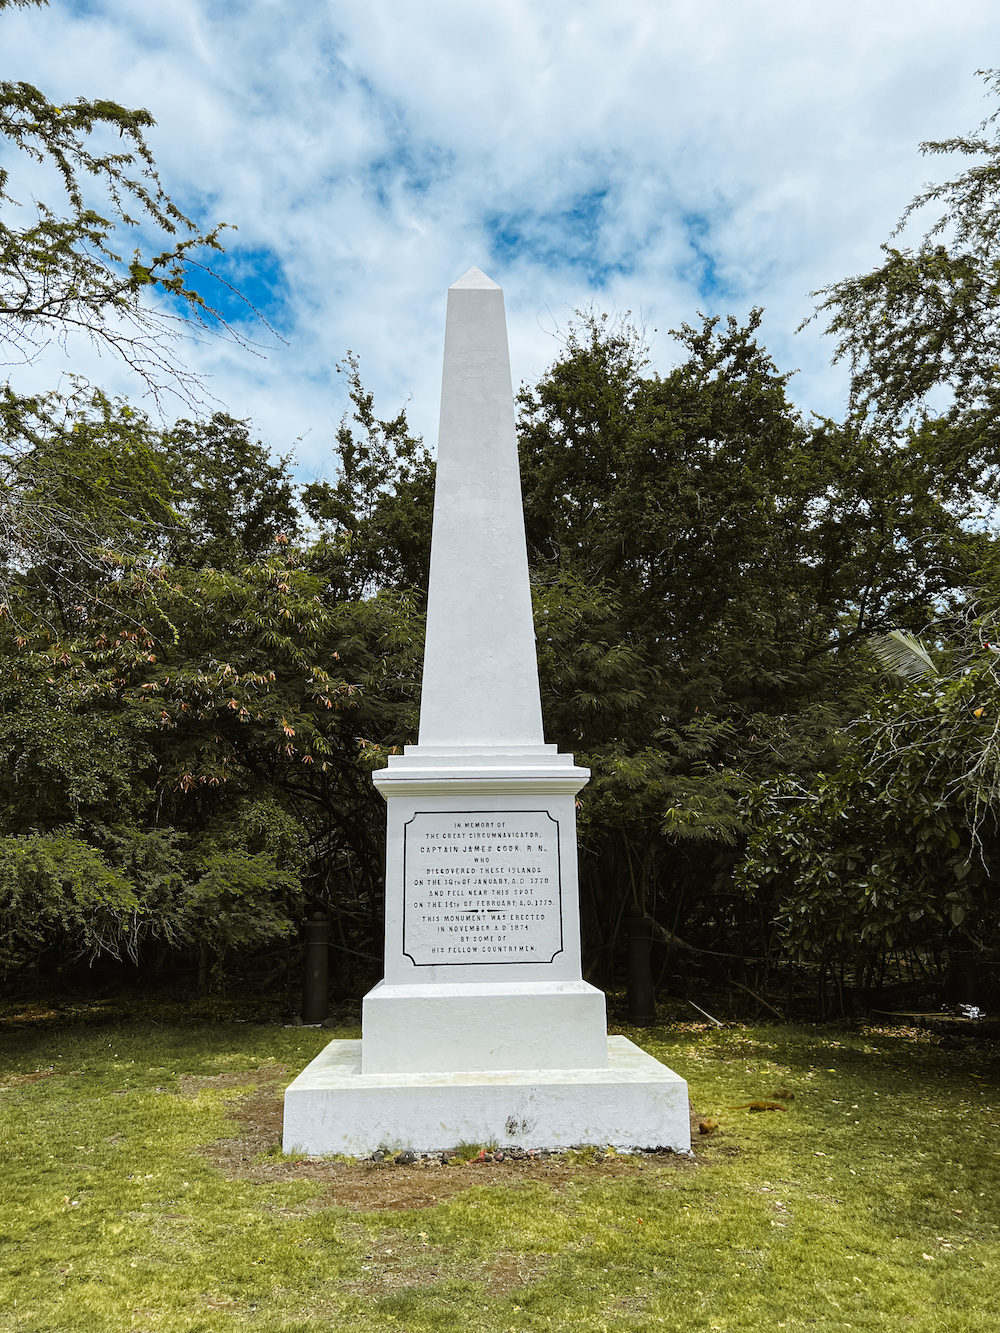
482, 781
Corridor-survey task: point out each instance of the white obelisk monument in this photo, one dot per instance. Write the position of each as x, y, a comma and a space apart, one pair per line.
483, 1029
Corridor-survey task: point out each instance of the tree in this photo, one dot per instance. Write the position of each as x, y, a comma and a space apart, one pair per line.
927, 317
67, 269
189, 706
895, 850
232, 500
376, 517
83, 480
192, 701
707, 567
206, 737
87, 479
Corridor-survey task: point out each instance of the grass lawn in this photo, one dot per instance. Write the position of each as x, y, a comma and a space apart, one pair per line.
873, 1202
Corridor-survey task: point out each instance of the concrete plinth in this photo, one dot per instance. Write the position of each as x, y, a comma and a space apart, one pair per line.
635, 1102
448, 1028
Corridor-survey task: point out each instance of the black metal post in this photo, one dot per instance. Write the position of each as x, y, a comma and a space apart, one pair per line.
639, 983
315, 990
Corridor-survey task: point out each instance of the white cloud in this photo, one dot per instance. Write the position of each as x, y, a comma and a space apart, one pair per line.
653, 156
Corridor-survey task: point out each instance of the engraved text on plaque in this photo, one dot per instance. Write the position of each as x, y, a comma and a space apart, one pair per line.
481, 886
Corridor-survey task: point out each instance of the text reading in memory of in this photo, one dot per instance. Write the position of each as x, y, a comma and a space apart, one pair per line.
481, 887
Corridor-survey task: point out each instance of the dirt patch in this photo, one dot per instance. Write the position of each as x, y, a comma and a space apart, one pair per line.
387, 1186
220, 1303
19, 1080
265, 1076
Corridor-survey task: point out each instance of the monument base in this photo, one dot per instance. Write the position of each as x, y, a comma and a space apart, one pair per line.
453, 1027
635, 1102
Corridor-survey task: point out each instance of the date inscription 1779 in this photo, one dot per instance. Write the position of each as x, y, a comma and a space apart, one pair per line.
481, 886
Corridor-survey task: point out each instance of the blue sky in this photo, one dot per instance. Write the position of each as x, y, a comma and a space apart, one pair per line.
653, 156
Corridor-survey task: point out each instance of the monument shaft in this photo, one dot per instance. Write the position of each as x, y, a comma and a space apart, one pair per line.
480, 680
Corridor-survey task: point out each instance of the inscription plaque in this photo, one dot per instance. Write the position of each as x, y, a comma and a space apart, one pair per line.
481, 886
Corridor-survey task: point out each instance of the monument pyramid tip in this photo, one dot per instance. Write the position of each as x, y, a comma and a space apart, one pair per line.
476, 278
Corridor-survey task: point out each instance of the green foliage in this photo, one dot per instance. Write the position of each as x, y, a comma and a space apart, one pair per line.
706, 566
89, 482
203, 664
59, 762
376, 517
58, 886
188, 696
718, 520
180, 656
927, 317
66, 270
233, 501
895, 845
83, 480
186, 686
898, 846
904, 654
87, 890
244, 753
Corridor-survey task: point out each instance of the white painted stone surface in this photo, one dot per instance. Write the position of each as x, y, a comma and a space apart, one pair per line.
480, 681
451, 1027
332, 1107
513, 799
483, 1028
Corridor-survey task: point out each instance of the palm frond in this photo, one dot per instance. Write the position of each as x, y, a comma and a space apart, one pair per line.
904, 654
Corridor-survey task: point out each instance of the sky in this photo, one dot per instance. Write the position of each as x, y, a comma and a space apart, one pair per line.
657, 157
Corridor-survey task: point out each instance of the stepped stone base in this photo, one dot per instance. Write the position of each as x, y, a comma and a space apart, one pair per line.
483, 1027
635, 1102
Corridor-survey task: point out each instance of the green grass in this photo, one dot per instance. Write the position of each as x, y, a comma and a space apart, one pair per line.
872, 1204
